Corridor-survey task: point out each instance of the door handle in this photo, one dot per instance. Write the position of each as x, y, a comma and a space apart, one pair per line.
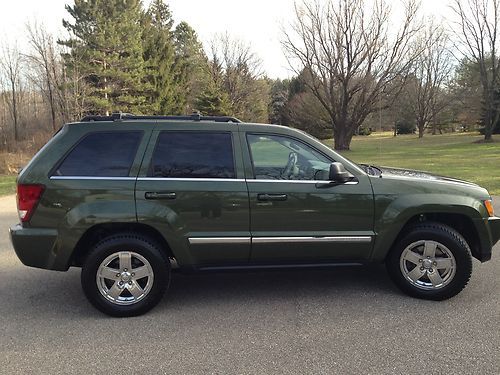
159, 195
272, 197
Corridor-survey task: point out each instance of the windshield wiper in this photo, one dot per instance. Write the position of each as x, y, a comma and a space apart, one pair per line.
371, 169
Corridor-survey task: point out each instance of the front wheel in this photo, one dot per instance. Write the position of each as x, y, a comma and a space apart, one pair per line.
432, 261
125, 275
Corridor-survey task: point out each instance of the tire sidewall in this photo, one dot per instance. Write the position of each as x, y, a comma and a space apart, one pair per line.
159, 264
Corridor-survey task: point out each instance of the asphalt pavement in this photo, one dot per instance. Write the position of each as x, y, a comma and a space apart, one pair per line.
338, 321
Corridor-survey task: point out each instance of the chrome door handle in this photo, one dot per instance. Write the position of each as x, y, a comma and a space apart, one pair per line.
159, 195
272, 197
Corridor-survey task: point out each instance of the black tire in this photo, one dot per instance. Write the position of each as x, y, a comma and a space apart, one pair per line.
431, 233
158, 272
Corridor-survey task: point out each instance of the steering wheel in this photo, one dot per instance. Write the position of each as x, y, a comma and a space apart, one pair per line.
290, 166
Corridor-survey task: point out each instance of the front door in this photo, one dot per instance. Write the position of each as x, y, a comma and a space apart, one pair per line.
295, 214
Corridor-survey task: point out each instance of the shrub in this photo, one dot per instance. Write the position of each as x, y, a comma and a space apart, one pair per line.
405, 127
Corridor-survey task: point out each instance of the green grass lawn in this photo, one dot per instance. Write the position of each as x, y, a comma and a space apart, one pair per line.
7, 185
455, 155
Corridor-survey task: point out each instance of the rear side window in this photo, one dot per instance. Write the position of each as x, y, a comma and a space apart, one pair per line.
102, 154
193, 155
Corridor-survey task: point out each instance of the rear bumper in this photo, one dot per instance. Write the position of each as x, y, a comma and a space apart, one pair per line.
489, 236
36, 247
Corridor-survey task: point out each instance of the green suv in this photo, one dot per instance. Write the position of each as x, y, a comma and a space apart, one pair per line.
129, 198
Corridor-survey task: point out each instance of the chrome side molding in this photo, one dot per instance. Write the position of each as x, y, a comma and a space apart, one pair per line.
218, 240
353, 239
260, 240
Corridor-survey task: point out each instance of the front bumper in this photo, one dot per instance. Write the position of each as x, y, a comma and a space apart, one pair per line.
35, 247
494, 226
489, 235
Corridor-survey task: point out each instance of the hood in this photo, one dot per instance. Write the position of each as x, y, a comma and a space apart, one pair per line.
414, 174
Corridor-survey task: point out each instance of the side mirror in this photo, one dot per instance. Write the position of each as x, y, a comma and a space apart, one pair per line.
338, 173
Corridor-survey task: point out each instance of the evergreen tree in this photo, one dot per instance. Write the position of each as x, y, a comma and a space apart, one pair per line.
213, 101
279, 94
191, 66
159, 57
106, 49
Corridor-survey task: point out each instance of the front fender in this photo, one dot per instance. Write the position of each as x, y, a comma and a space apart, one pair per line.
393, 212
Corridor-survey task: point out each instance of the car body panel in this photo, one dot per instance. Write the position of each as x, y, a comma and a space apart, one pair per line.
398, 199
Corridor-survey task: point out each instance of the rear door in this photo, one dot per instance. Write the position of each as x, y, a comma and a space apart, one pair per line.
192, 189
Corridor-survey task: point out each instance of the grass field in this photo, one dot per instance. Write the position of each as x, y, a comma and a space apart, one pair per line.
7, 185
454, 155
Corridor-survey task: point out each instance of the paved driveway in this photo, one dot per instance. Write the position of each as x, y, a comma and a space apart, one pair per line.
338, 321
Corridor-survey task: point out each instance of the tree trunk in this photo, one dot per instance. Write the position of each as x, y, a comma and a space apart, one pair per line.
14, 110
342, 139
421, 129
488, 126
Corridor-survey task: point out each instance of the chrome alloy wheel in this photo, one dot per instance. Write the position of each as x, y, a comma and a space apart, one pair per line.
428, 265
124, 278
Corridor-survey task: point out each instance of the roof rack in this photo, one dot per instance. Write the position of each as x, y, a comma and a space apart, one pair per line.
128, 116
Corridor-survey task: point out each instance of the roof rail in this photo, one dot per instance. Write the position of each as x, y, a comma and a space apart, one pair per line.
128, 116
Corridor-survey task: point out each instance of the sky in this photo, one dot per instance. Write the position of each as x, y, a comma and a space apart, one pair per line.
256, 22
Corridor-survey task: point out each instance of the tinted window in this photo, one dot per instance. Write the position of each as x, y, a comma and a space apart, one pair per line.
282, 158
102, 155
193, 155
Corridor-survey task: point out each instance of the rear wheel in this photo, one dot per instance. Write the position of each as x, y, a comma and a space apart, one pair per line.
125, 275
432, 261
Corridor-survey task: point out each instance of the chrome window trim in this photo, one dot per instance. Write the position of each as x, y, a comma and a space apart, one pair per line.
353, 239
193, 179
190, 179
302, 181
91, 178
218, 240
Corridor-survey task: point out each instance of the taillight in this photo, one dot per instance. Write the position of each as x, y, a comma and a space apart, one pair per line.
27, 200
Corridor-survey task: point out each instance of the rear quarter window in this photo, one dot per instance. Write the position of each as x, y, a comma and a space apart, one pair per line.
101, 154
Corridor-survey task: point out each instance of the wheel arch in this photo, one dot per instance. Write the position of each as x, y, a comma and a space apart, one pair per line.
99, 231
462, 223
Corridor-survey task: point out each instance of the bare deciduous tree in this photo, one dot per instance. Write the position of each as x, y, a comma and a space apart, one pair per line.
354, 55
238, 69
478, 34
431, 71
46, 65
11, 67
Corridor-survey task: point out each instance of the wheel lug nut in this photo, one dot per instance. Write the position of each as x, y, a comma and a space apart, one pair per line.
420, 260
130, 283
434, 263
133, 274
431, 270
421, 268
125, 269
117, 275
120, 283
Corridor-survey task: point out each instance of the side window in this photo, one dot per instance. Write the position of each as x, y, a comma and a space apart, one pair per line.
193, 155
277, 157
102, 154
